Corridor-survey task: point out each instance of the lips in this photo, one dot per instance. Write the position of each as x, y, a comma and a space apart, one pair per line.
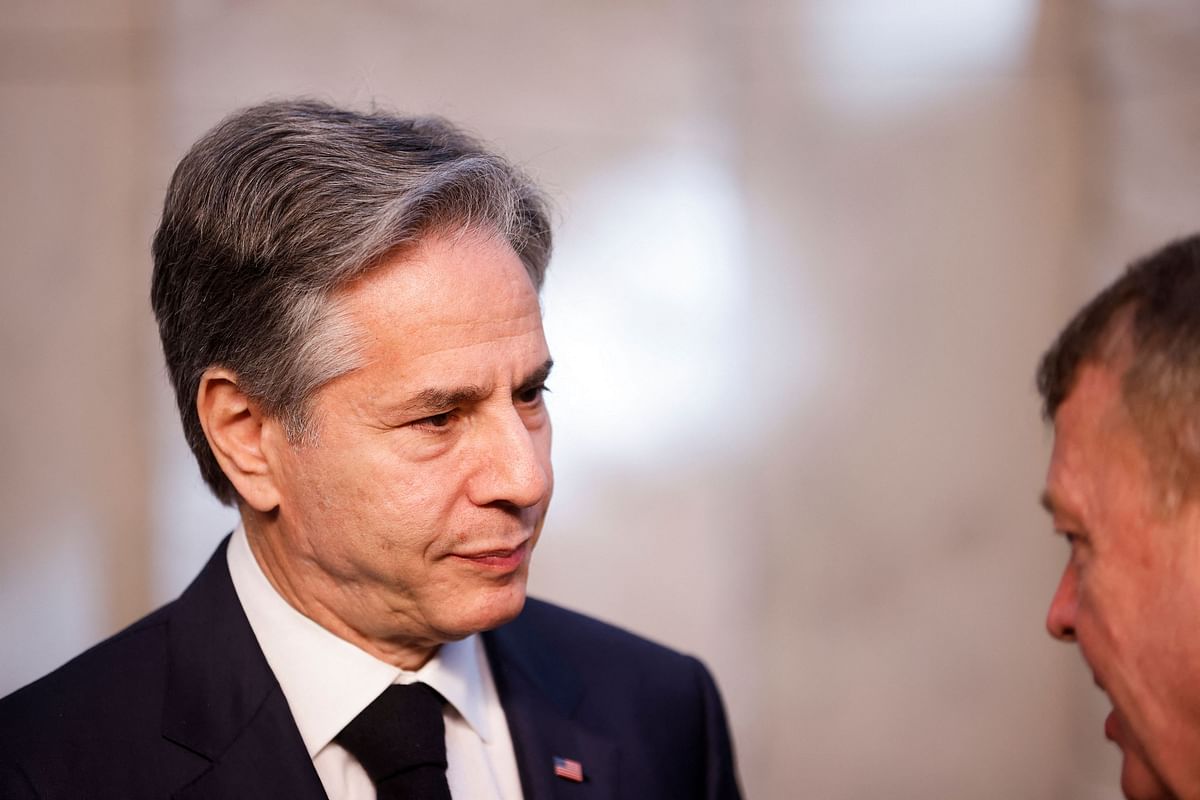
497, 559
1112, 723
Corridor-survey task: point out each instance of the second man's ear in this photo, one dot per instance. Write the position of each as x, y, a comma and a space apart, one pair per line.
239, 435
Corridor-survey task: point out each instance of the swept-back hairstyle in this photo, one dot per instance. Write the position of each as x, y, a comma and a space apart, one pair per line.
283, 203
1146, 323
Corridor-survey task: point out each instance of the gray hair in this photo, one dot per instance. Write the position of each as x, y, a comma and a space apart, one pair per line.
1146, 325
283, 203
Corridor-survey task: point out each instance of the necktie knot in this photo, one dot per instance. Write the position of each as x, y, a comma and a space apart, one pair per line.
400, 740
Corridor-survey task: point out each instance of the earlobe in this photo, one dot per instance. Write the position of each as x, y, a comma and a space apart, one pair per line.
235, 427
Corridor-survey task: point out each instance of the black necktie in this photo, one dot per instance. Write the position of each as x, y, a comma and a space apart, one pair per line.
400, 739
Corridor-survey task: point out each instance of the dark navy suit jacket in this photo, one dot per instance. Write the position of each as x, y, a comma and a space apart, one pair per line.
182, 704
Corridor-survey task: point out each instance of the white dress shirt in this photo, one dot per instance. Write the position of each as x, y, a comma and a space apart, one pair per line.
327, 681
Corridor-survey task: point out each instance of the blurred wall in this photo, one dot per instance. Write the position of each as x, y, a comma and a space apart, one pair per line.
808, 255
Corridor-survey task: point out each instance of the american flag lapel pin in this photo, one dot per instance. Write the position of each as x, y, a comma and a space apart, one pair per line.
568, 769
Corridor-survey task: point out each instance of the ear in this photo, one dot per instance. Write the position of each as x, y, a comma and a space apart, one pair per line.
238, 433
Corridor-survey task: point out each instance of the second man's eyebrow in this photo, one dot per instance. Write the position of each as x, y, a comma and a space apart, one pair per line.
1046, 501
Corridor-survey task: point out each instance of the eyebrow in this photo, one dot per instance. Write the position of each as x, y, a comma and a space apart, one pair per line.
434, 399
1046, 500
536, 378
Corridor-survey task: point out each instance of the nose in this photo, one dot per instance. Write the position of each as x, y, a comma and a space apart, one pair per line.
1060, 620
514, 464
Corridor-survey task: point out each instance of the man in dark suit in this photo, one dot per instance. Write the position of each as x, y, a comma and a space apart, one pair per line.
348, 305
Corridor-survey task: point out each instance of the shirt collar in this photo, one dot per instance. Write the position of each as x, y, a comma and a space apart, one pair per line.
327, 681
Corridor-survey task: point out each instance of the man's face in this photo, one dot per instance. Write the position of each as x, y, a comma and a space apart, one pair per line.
1130, 594
412, 517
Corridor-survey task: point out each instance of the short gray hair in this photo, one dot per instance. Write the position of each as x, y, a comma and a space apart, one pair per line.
1146, 325
283, 203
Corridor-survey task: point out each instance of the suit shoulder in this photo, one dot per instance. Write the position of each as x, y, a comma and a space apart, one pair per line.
98, 684
626, 688
94, 727
600, 642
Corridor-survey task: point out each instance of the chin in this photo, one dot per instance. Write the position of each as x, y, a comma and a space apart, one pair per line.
487, 610
1139, 781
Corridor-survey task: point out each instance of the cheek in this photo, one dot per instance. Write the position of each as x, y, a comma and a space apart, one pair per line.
310, 486
375, 476
408, 510
1121, 639
427, 490
1101, 625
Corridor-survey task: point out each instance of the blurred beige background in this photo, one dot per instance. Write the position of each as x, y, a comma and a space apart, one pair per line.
809, 254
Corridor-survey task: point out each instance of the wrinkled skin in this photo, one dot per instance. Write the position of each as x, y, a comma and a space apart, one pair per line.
410, 519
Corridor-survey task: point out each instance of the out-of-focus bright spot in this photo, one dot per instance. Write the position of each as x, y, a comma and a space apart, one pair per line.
877, 55
646, 312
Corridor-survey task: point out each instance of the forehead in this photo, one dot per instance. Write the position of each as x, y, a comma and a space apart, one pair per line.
1090, 409
453, 308
1097, 450
443, 279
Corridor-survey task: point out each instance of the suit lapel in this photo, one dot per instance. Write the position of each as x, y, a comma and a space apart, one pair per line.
267, 760
223, 702
540, 694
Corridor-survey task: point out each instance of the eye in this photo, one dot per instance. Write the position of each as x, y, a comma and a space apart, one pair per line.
531, 395
435, 421
1075, 540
